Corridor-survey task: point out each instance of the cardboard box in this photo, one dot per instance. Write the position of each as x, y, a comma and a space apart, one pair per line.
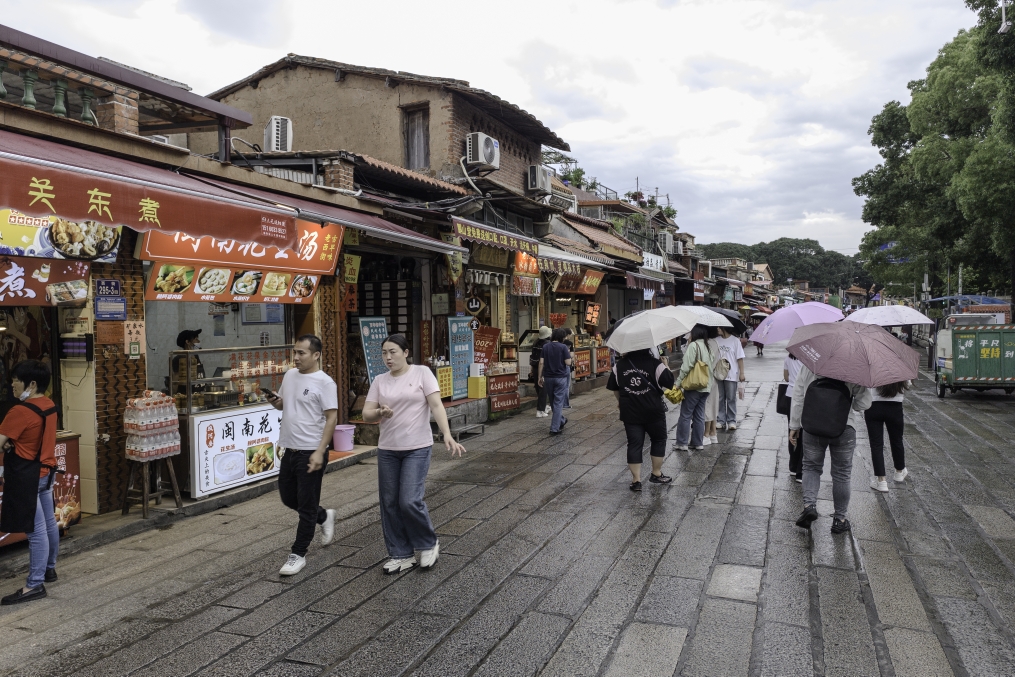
477, 387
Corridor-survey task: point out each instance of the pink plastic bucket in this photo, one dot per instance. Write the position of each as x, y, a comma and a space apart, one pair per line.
343, 437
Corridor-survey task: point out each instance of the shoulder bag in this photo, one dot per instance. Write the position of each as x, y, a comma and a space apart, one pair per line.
698, 377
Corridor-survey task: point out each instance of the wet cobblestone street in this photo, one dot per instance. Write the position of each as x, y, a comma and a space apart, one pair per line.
550, 566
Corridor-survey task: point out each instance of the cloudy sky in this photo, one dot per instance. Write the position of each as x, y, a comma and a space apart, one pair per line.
751, 115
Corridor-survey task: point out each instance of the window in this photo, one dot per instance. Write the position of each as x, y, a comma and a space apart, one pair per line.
417, 138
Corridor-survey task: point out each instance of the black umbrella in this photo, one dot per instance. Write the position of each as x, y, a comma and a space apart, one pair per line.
739, 326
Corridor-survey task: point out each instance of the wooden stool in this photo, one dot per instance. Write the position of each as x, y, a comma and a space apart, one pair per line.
145, 493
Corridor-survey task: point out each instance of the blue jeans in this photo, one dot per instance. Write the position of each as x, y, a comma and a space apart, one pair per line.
405, 520
841, 450
44, 542
691, 423
727, 402
556, 391
567, 393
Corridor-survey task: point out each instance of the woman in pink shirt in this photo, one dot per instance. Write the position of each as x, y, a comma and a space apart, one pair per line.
402, 401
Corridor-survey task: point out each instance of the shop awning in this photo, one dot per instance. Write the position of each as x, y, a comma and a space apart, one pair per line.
656, 274
610, 243
40, 178
578, 248
553, 260
639, 281
494, 237
735, 283
325, 213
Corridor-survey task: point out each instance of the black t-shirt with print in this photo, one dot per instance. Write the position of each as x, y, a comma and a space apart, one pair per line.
640, 380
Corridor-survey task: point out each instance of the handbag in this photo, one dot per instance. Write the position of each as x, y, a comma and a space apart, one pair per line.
783, 402
698, 377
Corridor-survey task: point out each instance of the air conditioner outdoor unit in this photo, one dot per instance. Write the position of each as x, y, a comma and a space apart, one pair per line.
482, 151
278, 134
539, 180
678, 245
665, 241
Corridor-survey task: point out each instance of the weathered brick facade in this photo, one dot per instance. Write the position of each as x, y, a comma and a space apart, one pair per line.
338, 173
118, 113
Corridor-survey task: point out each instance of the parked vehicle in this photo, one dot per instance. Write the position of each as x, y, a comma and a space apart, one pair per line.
973, 353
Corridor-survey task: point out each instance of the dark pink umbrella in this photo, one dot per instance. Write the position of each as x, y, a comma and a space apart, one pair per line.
864, 354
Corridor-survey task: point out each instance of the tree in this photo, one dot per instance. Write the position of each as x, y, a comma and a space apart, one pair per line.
793, 258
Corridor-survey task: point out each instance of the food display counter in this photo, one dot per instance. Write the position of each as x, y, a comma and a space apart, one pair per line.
228, 430
66, 486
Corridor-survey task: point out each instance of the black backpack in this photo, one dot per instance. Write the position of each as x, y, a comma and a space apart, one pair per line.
826, 408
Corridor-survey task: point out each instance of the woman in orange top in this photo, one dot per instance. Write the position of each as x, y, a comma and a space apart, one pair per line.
28, 435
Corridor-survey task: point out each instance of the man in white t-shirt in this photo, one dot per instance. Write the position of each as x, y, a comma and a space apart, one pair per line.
308, 399
731, 350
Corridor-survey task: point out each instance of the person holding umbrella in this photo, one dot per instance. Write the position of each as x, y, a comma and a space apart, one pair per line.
691, 426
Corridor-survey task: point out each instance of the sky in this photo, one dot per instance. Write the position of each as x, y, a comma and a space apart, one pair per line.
751, 115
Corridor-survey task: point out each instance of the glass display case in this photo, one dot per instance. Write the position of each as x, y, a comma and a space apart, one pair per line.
201, 380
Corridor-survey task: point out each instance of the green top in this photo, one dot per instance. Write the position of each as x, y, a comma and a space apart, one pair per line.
691, 357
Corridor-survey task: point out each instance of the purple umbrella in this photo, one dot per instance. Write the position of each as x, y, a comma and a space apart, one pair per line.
864, 354
780, 325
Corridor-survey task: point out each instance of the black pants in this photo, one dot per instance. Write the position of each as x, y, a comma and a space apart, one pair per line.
883, 415
540, 397
796, 455
636, 439
301, 491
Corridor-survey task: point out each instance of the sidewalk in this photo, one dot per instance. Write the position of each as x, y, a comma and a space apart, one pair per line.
550, 566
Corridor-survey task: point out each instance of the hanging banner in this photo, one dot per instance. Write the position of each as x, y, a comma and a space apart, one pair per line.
350, 268
215, 284
426, 339
592, 313
494, 238
318, 251
373, 331
485, 344
460, 344
37, 282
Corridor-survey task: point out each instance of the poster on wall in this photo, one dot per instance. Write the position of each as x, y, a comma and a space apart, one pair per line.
582, 363
460, 343
233, 448
485, 344
522, 285
373, 331
36, 282
53, 237
180, 281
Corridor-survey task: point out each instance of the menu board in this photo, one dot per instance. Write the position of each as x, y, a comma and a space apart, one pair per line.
582, 363
233, 447
503, 383
445, 381
505, 401
460, 343
484, 342
592, 313
218, 284
53, 237
603, 360
373, 331
522, 285
33, 282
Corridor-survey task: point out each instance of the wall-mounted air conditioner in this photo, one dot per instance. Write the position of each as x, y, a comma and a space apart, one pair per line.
678, 246
278, 134
482, 151
539, 180
665, 241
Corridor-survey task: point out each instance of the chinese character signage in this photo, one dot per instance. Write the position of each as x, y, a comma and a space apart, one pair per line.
133, 339
582, 363
460, 343
557, 266
318, 250
489, 256
603, 365
107, 288
233, 447
350, 266
216, 284
525, 264
592, 313
80, 214
485, 344
38, 282
523, 285
373, 331
52, 237
494, 238
505, 402
585, 284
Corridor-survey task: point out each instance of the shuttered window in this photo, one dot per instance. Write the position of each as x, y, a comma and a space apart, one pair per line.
417, 138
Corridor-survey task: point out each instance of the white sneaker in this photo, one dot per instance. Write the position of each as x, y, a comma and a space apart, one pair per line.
705, 441
548, 410
879, 485
540, 414
901, 474
697, 448
428, 558
680, 447
731, 426
398, 564
328, 528
714, 439
293, 565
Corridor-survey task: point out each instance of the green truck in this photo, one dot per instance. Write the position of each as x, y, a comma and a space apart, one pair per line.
975, 354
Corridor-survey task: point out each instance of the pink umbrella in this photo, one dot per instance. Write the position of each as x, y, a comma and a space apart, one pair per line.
780, 325
865, 354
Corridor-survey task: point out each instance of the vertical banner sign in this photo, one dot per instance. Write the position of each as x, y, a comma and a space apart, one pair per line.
373, 331
425, 339
350, 268
460, 342
485, 344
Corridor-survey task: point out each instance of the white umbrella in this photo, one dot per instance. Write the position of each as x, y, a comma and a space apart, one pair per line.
889, 316
695, 315
759, 315
647, 330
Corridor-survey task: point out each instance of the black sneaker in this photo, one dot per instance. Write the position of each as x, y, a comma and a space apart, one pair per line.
563, 423
50, 576
840, 526
660, 479
809, 514
21, 596
635, 486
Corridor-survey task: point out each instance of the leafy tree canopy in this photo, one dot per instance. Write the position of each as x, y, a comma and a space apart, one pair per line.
791, 258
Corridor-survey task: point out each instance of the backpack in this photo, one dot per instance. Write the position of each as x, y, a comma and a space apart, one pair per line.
826, 408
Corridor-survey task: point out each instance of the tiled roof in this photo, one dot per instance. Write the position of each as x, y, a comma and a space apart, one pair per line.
521, 120
677, 267
437, 184
597, 234
578, 248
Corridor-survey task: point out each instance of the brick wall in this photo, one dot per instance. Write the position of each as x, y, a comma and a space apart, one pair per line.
117, 379
338, 173
516, 152
119, 113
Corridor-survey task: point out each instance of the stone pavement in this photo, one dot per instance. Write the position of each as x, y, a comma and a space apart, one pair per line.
551, 566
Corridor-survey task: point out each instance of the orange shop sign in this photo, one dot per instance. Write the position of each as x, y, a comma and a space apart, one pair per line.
526, 264
42, 282
318, 250
585, 284
181, 281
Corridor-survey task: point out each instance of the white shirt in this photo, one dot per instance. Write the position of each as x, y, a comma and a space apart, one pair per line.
305, 398
731, 350
898, 398
793, 367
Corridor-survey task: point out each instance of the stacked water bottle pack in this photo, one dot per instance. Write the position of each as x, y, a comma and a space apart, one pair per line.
152, 426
